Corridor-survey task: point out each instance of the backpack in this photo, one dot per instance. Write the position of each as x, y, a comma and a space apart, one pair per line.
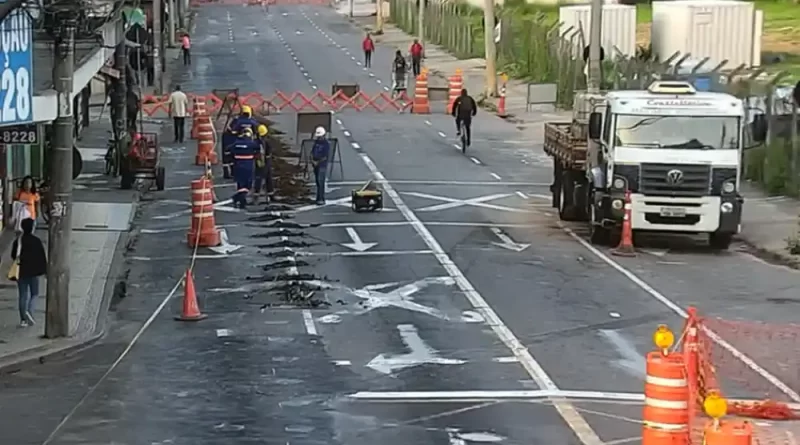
399, 64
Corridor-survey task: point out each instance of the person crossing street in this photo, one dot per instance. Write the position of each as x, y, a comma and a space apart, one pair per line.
369, 47
417, 52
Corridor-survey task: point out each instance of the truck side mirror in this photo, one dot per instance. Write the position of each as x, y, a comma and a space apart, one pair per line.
759, 127
595, 125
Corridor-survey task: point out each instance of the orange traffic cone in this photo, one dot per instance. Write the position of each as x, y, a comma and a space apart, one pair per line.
625, 247
190, 311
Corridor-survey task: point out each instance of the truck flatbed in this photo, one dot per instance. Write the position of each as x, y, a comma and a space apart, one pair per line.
561, 141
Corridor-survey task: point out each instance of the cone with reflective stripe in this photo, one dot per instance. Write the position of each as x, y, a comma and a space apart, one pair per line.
625, 247
190, 310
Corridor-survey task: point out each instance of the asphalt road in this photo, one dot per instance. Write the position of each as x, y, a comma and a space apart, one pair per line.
446, 318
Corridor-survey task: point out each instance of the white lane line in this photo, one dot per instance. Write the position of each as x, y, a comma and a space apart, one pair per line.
674, 307
458, 147
430, 223
496, 395
568, 412
521, 195
378, 80
346, 133
496, 176
339, 121
426, 182
116, 363
355, 145
475, 160
308, 320
224, 332
442, 134
428, 123
386, 88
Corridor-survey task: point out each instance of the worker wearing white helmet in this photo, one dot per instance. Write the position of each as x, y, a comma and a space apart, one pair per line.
320, 153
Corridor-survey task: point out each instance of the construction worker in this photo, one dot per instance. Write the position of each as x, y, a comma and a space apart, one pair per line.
263, 166
319, 159
229, 137
244, 152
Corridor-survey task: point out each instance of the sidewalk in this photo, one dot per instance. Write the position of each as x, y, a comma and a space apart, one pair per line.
101, 218
767, 222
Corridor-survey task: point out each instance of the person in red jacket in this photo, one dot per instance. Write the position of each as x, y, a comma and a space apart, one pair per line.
369, 46
416, 57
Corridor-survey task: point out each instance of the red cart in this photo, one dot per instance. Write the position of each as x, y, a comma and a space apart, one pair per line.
143, 162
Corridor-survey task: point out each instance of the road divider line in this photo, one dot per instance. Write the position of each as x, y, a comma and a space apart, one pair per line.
308, 320
475, 160
571, 416
496, 395
521, 195
496, 176
674, 307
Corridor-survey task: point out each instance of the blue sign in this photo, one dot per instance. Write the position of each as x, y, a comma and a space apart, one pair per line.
16, 63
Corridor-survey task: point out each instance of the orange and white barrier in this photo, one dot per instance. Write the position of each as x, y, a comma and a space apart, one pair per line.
454, 86
625, 247
421, 105
203, 231
666, 400
206, 152
198, 111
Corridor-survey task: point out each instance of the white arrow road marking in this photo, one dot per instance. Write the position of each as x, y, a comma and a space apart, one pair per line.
454, 439
507, 242
419, 353
457, 437
631, 362
225, 247
357, 244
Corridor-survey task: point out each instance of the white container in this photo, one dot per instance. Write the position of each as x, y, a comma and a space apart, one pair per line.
719, 29
618, 27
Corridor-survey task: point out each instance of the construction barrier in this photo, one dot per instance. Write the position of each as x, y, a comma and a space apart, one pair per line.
455, 84
665, 418
203, 231
625, 247
190, 310
198, 111
205, 142
421, 103
287, 102
501, 101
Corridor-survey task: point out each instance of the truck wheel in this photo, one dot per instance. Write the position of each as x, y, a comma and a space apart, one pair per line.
720, 240
555, 188
572, 198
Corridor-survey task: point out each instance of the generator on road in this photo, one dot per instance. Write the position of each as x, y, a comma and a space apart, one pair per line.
368, 198
677, 151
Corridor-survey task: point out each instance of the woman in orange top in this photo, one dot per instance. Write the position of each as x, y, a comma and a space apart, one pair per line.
29, 196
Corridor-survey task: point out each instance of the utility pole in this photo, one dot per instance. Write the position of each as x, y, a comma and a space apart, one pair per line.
120, 97
595, 27
490, 50
421, 19
158, 42
60, 225
379, 17
173, 11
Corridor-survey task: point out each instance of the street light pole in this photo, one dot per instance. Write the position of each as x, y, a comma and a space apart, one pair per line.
490, 49
60, 224
595, 27
157, 47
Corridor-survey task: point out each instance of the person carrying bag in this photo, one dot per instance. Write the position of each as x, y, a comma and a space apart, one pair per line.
29, 263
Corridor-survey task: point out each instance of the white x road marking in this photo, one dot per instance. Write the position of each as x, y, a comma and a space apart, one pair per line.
480, 201
342, 202
221, 206
401, 297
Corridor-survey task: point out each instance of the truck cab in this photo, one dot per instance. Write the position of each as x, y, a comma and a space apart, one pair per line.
675, 153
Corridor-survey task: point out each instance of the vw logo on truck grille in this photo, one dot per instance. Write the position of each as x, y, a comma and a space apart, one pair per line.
674, 177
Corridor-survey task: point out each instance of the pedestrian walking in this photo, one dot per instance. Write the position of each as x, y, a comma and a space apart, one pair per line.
319, 159
417, 52
27, 203
178, 107
29, 263
186, 45
369, 46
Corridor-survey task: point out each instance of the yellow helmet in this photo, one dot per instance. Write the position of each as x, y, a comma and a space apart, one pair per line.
248, 133
262, 130
247, 110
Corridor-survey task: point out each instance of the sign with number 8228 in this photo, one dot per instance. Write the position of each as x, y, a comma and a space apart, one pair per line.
16, 69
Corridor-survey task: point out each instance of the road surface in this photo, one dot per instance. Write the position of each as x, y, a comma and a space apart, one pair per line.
450, 317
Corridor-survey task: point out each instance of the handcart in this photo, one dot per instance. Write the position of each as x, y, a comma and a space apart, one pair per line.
142, 162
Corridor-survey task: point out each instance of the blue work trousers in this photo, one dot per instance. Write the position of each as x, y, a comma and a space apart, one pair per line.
243, 174
320, 172
264, 177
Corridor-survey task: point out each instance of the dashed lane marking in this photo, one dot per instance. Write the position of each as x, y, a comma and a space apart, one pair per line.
308, 320
495, 176
475, 160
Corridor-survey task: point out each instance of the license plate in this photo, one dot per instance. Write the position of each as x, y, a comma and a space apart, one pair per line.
674, 212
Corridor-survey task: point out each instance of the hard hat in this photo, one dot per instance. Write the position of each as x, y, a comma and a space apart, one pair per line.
246, 109
262, 130
247, 132
319, 132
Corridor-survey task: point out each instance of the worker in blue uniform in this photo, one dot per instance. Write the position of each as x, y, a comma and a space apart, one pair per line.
241, 122
319, 159
263, 179
244, 153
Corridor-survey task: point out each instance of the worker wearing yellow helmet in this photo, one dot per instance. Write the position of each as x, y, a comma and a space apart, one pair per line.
263, 176
244, 120
244, 153
236, 126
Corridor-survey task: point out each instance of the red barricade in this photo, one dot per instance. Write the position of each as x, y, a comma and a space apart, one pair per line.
158, 106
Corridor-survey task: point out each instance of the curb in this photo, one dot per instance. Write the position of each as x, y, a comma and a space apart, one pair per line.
40, 354
780, 258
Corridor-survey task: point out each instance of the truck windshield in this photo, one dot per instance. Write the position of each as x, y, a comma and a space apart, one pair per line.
690, 132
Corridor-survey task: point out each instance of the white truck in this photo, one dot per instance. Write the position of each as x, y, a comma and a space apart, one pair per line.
677, 151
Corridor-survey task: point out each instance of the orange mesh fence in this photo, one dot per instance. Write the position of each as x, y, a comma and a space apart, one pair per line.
755, 365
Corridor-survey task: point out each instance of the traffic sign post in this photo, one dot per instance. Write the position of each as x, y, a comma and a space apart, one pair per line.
16, 78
